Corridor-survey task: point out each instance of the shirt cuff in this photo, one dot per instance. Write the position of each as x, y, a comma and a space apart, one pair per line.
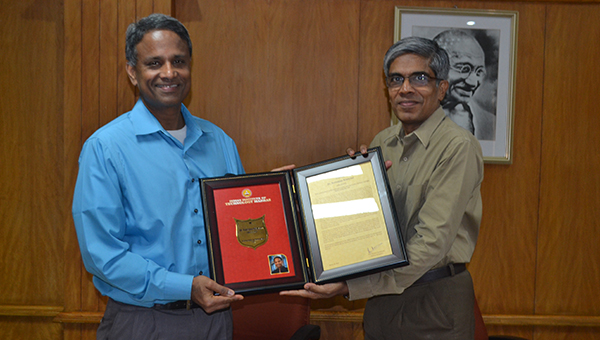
178, 286
360, 288
382, 283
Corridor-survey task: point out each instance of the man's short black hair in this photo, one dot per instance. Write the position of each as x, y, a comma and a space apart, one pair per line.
137, 30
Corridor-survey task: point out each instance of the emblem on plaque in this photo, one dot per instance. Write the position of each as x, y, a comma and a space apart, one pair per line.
251, 233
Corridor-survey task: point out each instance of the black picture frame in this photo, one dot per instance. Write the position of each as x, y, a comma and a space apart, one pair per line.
397, 256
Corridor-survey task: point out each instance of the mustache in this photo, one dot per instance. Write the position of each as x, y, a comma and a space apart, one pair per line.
398, 97
463, 86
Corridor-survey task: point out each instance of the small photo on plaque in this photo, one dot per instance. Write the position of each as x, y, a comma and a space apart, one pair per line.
325, 222
278, 264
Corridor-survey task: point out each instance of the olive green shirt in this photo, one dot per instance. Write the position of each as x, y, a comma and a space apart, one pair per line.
435, 179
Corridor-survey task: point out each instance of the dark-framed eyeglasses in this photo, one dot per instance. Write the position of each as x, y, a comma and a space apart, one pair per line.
415, 80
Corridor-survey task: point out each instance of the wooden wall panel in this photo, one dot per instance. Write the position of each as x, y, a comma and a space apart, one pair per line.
164, 6
566, 333
336, 330
31, 181
108, 64
298, 82
125, 91
143, 8
18, 328
569, 256
30, 174
278, 76
72, 100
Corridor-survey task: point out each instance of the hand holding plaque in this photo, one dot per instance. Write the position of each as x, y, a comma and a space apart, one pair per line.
333, 221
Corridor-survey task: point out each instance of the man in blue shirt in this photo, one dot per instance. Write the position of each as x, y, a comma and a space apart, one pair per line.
137, 204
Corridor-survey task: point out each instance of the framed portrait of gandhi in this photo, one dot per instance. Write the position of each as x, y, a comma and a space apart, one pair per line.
481, 45
325, 222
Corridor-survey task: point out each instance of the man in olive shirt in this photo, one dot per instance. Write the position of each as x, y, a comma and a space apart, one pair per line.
435, 169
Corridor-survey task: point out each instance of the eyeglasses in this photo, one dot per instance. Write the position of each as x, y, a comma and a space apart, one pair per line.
465, 70
415, 80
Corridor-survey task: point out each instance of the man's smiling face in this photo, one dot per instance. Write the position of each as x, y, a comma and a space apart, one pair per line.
414, 104
162, 72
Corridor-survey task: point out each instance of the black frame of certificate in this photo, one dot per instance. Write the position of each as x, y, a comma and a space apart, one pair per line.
306, 253
397, 258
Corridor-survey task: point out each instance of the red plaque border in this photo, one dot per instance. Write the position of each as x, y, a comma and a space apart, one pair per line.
217, 251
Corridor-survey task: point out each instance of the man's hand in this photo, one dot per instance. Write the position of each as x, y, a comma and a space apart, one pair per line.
314, 291
363, 150
285, 168
203, 293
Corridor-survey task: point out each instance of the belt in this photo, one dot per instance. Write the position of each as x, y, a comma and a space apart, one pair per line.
440, 273
181, 304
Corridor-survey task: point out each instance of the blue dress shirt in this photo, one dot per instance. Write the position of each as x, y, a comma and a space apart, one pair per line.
137, 205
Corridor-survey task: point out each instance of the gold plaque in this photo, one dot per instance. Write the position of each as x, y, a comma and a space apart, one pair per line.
251, 233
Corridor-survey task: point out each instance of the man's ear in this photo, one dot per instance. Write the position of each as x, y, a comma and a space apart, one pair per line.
131, 73
443, 87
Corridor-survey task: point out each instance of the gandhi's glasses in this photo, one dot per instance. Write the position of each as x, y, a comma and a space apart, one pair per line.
466, 69
415, 80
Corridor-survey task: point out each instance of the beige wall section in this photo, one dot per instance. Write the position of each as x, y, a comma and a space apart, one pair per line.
298, 82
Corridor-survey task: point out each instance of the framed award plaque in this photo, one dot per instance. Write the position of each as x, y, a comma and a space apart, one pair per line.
252, 228
325, 222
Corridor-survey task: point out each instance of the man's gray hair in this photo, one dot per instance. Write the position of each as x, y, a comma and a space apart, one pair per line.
439, 62
156, 21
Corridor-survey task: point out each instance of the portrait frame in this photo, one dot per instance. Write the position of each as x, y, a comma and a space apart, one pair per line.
496, 31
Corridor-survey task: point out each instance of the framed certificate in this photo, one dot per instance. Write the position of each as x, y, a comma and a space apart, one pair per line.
325, 222
349, 218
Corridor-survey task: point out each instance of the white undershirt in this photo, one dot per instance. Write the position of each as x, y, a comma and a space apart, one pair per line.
179, 134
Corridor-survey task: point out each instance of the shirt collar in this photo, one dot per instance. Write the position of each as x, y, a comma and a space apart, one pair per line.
426, 129
144, 122
423, 132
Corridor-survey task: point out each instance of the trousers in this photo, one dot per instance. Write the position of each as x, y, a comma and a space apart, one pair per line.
128, 322
441, 309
